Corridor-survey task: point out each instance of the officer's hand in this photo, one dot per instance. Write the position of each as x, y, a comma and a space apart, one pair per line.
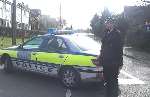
95, 62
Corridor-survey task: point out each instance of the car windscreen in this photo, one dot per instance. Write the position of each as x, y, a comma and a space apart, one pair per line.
85, 43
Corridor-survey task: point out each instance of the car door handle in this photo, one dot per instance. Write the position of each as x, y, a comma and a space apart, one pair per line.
61, 56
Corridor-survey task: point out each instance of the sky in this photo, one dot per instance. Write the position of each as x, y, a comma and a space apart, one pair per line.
77, 13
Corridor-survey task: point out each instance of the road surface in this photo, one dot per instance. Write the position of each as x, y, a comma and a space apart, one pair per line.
134, 80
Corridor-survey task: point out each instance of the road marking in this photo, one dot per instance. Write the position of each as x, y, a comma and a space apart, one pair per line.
68, 93
131, 81
1, 67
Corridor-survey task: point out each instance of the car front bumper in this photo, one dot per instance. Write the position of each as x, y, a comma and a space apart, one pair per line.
91, 73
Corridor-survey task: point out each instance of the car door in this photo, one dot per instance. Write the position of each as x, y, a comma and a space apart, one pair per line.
53, 55
26, 55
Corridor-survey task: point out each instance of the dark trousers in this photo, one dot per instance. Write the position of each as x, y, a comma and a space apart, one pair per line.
111, 78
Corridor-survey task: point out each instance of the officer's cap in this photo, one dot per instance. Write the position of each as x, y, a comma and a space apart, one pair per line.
109, 20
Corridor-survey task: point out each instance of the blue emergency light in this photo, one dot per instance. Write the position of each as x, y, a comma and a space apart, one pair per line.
52, 31
55, 31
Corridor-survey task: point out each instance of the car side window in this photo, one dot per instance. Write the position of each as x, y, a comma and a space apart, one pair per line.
62, 45
57, 45
34, 43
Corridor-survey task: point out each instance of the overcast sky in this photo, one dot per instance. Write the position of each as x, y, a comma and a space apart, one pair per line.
77, 12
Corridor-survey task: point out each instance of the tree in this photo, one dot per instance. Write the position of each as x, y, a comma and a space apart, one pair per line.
122, 24
94, 22
97, 23
137, 36
98, 27
106, 14
132, 23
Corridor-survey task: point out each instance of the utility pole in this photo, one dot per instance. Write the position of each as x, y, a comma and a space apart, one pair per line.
60, 17
13, 18
22, 30
22, 33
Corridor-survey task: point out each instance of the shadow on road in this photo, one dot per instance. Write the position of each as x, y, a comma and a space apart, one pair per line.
27, 84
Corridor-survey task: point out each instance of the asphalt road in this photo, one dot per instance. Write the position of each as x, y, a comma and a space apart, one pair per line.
134, 81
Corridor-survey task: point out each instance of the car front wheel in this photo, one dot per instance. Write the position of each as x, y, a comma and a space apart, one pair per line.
70, 77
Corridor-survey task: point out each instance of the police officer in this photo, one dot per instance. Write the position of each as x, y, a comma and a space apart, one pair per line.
111, 57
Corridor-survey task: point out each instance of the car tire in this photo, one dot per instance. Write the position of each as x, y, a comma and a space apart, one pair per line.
7, 64
70, 78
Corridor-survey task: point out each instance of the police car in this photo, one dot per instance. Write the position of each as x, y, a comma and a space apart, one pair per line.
68, 57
